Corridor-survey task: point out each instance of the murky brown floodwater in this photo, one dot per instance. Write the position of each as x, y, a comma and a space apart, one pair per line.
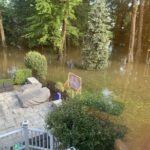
130, 83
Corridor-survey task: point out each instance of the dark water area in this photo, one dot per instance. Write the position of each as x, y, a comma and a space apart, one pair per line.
129, 82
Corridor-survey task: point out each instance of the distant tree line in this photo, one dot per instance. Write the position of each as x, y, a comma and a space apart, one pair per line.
57, 24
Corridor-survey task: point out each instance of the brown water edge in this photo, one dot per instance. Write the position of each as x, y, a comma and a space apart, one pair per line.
141, 139
130, 83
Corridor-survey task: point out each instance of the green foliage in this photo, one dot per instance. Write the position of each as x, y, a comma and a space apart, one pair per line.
59, 86
39, 22
6, 81
102, 103
74, 125
7, 13
37, 29
70, 92
81, 22
21, 75
45, 24
121, 14
37, 63
20, 11
95, 51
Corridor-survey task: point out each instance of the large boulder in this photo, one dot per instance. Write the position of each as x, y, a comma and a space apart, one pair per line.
29, 88
32, 80
32, 94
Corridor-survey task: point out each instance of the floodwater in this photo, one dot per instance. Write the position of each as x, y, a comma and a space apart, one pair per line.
130, 84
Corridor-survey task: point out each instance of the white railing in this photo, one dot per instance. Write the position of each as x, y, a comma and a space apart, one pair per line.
29, 138
8, 140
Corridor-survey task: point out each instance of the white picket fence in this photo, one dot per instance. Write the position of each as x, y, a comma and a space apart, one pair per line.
29, 139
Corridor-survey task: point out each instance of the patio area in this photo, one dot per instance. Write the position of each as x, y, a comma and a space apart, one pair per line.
12, 114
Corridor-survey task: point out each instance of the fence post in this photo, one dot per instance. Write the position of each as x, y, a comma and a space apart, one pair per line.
51, 142
26, 133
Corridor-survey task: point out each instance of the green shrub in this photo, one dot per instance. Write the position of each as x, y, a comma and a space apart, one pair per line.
74, 126
71, 93
6, 81
102, 103
59, 86
37, 63
21, 75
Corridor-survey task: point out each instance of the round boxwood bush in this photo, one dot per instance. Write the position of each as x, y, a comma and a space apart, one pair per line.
38, 63
74, 125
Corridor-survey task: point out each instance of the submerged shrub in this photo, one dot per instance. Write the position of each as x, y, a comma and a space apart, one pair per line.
102, 103
59, 86
74, 125
71, 93
21, 75
37, 63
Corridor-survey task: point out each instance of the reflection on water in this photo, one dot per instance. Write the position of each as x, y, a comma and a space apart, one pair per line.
129, 82
9, 60
147, 70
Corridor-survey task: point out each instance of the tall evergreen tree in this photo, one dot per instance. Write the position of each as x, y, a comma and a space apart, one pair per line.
22, 9
38, 26
95, 52
51, 22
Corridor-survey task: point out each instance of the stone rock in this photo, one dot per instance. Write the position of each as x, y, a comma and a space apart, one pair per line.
29, 88
34, 97
120, 145
32, 80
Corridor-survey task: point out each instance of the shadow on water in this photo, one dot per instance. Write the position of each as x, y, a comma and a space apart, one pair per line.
129, 82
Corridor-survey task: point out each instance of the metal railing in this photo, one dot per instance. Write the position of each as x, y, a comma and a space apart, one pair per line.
29, 138
8, 140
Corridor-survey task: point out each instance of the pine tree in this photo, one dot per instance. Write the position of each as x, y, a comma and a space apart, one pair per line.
51, 22
95, 52
38, 24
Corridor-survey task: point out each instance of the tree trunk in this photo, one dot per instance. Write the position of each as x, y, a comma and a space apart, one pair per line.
63, 39
132, 35
139, 41
5, 60
2, 31
60, 55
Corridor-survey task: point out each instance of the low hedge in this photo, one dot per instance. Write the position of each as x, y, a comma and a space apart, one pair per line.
102, 103
21, 75
6, 81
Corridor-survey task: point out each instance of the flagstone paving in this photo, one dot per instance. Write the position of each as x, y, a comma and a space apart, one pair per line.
12, 114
